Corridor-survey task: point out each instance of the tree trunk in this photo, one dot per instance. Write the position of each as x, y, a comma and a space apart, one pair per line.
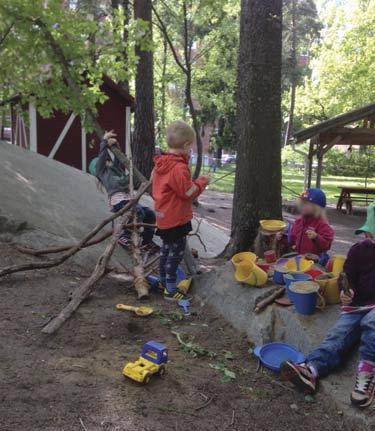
257, 192
163, 88
290, 125
194, 118
144, 133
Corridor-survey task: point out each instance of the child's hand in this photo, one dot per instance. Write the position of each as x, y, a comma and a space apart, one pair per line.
311, 234
111, 142
108, 135
346, 299
206, 178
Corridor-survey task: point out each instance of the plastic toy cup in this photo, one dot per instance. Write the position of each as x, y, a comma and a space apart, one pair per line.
278, 274
314, 272
249, 273
329, 286
338, 261
289, 279
305, 297
270, 256
241, 257
265, 266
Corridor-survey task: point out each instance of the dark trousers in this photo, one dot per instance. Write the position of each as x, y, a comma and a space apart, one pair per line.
144, 215
171, 255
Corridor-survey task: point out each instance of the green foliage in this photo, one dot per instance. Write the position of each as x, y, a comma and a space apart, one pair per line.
92, 46
228, 375
343, 69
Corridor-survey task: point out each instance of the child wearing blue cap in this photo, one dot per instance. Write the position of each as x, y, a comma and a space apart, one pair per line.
311, 232
355, 324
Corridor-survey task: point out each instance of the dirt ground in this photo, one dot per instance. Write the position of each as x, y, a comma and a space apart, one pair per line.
73, 381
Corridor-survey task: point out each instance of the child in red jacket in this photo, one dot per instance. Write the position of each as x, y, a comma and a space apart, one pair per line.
173, 191
311, 232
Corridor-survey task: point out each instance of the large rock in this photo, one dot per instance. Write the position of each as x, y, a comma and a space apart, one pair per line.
61, 204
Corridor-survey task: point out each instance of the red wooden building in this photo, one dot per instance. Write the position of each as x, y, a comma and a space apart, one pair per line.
62, 137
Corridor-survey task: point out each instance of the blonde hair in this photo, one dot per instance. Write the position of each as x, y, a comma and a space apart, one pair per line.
179, 133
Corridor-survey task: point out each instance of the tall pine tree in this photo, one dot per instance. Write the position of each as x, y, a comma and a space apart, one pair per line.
257, 193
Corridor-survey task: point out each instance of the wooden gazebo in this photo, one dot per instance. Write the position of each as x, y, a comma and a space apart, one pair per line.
356, 127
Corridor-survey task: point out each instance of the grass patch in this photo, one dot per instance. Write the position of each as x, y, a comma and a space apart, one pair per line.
291, 179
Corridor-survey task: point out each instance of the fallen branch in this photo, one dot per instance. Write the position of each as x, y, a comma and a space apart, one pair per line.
269, 300
65, 256
82, 292
59, 249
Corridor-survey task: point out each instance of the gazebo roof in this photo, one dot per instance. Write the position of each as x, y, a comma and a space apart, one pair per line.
336, 124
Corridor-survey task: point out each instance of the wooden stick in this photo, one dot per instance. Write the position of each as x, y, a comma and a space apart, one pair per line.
269, 300
58, 249
65, 256
82, 292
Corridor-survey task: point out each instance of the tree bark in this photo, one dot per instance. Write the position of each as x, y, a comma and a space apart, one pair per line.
257, 192
144, 122
290, 125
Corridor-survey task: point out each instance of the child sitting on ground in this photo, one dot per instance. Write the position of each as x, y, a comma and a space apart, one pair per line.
311, 232
355, 324
115, 180
173, 191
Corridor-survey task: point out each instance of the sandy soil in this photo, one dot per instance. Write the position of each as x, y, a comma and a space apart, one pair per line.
73, 381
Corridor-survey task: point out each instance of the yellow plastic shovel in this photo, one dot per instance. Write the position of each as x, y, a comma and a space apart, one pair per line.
139, 311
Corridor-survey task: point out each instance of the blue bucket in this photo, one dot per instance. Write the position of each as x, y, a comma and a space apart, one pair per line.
305, 297
278, 275
293, 277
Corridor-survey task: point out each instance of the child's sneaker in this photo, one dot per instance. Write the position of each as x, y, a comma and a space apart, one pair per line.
363, 392
300, 376
176, 295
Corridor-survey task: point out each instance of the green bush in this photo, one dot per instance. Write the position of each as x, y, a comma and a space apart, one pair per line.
352, 164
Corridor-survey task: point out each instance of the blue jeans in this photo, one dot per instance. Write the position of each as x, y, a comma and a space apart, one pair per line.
144, 215
340, 340
171, 255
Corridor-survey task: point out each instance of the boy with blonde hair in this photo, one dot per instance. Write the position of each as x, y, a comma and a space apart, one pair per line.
174, 191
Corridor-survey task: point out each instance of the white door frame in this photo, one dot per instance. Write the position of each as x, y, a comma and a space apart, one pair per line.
33, 143
62, 136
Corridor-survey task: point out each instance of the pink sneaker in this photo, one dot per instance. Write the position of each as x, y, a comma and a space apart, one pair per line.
363, 392
300, 376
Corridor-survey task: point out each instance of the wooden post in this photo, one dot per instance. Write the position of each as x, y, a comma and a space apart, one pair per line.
83, 149
310, 164
320, 165
33, 145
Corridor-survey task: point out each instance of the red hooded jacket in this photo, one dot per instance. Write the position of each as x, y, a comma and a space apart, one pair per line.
299, 238
173, 190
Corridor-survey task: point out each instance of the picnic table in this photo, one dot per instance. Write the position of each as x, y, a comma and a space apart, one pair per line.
350, 194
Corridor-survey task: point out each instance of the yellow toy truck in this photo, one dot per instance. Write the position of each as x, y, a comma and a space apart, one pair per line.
153, 359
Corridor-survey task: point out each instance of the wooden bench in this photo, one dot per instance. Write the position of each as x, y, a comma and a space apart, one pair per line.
349, 195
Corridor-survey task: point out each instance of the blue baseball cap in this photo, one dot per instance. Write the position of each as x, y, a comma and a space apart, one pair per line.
315, 196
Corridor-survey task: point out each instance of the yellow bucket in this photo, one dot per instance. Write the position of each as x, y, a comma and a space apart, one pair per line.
249, 273
330, 288
338, 261
303, 266
245, 256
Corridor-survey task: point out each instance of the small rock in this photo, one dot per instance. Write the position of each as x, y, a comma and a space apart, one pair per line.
294, 407
309, 399
102, 336
340, 412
